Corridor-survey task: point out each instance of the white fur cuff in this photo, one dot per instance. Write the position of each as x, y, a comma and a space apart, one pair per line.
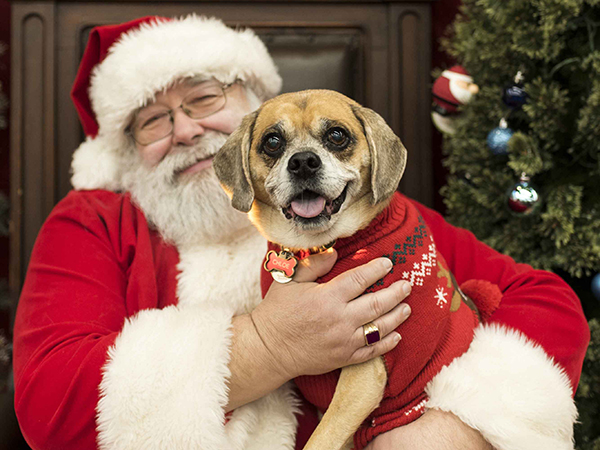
164, 385
510, 390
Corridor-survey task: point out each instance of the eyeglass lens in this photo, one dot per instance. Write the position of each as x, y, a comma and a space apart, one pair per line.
154, 122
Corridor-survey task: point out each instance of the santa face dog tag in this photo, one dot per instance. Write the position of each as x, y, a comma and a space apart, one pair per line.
282, 266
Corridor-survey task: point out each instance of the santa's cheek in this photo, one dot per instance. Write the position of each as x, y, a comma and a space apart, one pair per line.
154, 153
225, 122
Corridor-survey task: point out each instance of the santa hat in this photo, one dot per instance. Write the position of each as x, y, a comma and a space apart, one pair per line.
125, 65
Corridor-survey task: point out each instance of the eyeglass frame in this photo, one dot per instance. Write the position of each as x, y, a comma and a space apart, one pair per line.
224, 87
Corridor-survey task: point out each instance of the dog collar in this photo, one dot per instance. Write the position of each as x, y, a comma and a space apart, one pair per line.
282, 265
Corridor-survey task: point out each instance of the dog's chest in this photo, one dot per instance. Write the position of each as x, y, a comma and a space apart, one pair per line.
225, 275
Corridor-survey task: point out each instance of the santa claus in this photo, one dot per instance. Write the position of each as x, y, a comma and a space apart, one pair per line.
453, 88
141, 326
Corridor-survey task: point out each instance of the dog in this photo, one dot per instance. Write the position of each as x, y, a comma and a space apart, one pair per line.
313, 169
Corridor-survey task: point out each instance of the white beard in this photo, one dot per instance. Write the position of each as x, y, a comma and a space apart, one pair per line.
463, 96
187, 210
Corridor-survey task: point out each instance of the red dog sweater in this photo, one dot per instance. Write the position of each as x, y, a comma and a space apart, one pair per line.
440, 328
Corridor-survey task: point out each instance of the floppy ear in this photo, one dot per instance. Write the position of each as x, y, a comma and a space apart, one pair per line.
388, 155
231, 164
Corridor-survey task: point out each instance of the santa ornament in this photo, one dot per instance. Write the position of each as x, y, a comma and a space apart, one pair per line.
453, 88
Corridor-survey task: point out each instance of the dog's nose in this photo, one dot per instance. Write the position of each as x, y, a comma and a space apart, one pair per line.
304, 164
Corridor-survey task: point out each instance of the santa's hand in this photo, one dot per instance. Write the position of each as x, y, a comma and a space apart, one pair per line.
312, 328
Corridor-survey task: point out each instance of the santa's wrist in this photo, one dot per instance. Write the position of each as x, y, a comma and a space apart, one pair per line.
254, 371
273, 346
434, 430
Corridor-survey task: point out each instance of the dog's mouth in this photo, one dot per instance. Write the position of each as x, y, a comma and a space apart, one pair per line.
309, 206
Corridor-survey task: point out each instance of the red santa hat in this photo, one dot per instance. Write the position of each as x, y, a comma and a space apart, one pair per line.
125, 65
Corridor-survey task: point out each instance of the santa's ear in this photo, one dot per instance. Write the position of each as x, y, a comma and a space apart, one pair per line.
388, 155
232, 165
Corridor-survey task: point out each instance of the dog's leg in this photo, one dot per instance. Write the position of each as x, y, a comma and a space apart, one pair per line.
358, 392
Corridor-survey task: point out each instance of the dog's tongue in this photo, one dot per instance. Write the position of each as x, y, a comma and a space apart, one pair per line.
308, 208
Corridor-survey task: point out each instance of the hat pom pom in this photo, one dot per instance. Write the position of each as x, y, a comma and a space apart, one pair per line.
96, 165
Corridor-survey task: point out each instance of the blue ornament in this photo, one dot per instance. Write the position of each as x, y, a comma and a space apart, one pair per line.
515, 96
596, 286
497, 139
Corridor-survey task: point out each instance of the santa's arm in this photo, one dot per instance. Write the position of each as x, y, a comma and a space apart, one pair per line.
91, 372
515, 383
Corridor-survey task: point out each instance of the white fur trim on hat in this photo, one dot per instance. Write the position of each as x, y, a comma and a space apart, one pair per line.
96, 165
510, 390
451, 75
151, 58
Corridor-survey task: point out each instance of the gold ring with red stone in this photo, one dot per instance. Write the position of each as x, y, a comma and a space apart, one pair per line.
371, 332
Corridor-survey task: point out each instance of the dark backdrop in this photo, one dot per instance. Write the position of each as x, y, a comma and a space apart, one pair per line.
4, 144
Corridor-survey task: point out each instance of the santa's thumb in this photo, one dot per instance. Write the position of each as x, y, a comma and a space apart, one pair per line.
315, 266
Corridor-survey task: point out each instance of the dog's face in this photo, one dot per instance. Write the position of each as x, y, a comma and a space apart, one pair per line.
311, 167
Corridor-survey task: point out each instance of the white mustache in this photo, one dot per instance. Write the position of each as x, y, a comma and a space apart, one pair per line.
181, 157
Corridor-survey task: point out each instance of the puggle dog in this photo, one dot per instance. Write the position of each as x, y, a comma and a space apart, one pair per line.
315, 168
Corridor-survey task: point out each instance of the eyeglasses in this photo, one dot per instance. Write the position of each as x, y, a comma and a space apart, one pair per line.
154, 122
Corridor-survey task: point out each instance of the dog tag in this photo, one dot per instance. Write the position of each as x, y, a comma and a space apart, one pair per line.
282, 265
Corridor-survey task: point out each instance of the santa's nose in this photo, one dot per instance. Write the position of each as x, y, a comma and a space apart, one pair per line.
186, 130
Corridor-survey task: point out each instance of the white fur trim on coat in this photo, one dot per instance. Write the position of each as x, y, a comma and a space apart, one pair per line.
150, 59
164, 385
510, 390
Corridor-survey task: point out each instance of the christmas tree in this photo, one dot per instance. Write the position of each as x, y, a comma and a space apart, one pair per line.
529, 186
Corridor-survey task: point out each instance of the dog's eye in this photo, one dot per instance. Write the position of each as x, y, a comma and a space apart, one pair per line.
337, 136
272, 144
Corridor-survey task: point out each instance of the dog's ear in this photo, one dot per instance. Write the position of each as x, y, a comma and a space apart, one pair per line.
388, 155
232, 164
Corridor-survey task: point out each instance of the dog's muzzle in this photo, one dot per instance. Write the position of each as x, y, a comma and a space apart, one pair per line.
310, 206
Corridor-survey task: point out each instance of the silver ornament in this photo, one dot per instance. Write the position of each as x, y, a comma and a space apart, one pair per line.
523, 198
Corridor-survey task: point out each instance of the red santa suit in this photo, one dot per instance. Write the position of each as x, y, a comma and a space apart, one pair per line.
122, 341
101, 292
118, 333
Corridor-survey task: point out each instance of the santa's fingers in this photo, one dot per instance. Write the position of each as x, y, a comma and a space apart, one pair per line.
379, 336
315, 266
380, 348
373, 305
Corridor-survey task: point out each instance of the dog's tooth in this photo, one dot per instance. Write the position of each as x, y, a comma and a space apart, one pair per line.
288, 213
